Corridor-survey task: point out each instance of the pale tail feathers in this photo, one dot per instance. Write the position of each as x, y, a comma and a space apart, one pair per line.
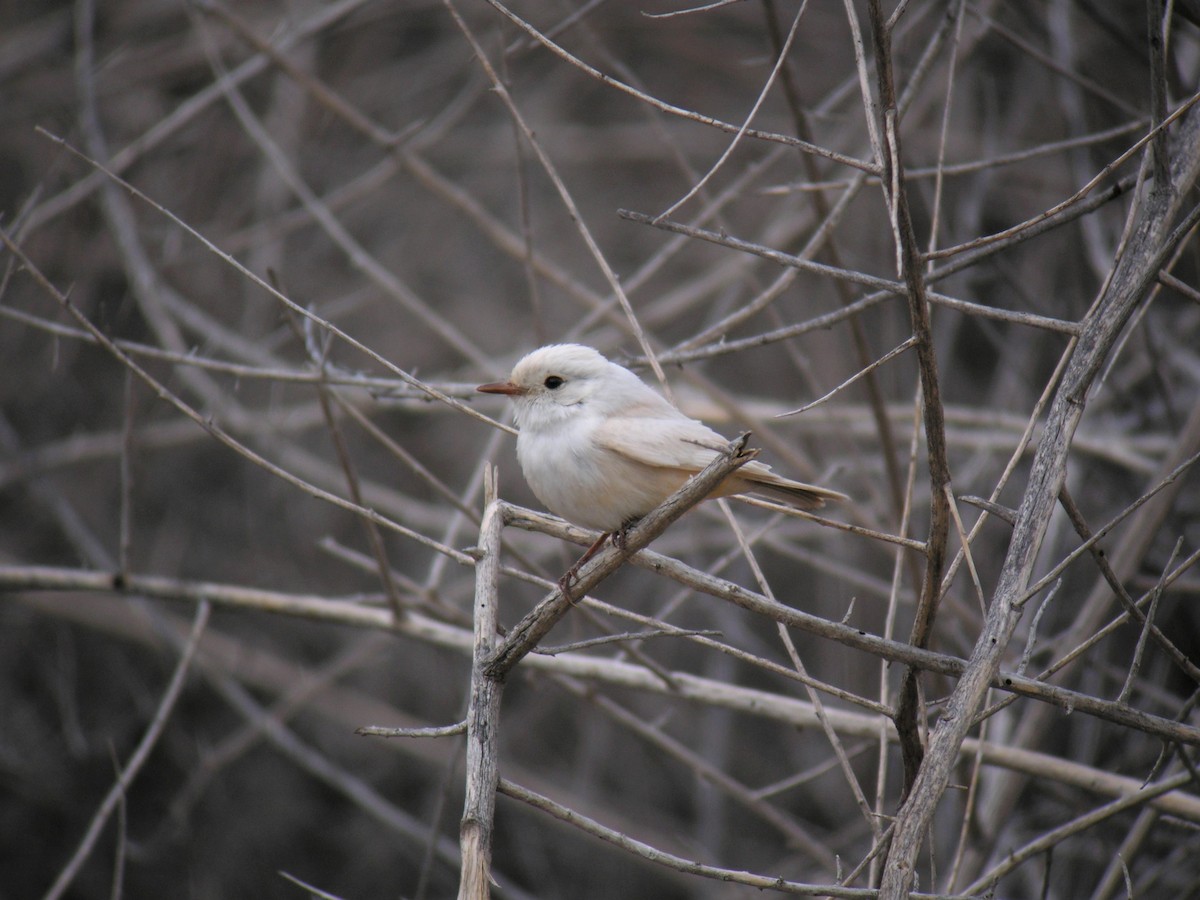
801, 496
774, 487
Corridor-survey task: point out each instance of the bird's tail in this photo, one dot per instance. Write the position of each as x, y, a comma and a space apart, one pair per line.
775, 487
798, 494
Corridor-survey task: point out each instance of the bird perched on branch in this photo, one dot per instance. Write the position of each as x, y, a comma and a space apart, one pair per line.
600, 448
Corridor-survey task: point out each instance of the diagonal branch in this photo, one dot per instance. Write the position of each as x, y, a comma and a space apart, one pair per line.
537, 623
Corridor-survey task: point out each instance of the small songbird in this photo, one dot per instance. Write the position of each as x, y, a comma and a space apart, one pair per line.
600, 448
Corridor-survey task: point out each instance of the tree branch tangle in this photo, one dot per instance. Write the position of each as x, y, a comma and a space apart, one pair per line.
277, 607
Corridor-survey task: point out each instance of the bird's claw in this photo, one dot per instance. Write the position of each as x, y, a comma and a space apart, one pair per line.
618, 538
621, 536
569, 578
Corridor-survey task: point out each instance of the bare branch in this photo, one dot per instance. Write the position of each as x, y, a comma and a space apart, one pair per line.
483, 711
1135, 270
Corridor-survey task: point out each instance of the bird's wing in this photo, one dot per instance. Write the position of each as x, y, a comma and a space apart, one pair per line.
673, 443
687, 445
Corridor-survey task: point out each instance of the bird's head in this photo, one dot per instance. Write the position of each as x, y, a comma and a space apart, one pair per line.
558, 381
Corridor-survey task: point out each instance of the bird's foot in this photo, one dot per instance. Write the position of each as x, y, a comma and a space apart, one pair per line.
571, 576
621, 535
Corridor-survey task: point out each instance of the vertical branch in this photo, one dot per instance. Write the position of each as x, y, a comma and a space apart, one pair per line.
858, 331
1156, 31
910, 262
483, 711
125, 539
884, 738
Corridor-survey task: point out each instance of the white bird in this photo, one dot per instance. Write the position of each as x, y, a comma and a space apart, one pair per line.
600, 448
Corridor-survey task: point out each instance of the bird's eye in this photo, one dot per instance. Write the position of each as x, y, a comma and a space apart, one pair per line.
554, 382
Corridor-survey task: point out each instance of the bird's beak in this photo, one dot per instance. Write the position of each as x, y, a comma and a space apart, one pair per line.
501, 387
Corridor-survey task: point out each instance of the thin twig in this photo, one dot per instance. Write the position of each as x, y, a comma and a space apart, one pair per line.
910, 267
137, 759
435, 731
871, 281
1079, 195
1048, 840
780, 59
1110, 576
1155, 595
861, 373
675, 110
427, 389
818, 707
125, 540
660, 857
625, 637
564, 195
374, 538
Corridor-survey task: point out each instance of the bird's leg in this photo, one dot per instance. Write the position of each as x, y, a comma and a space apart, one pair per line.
618, 539
572, 574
